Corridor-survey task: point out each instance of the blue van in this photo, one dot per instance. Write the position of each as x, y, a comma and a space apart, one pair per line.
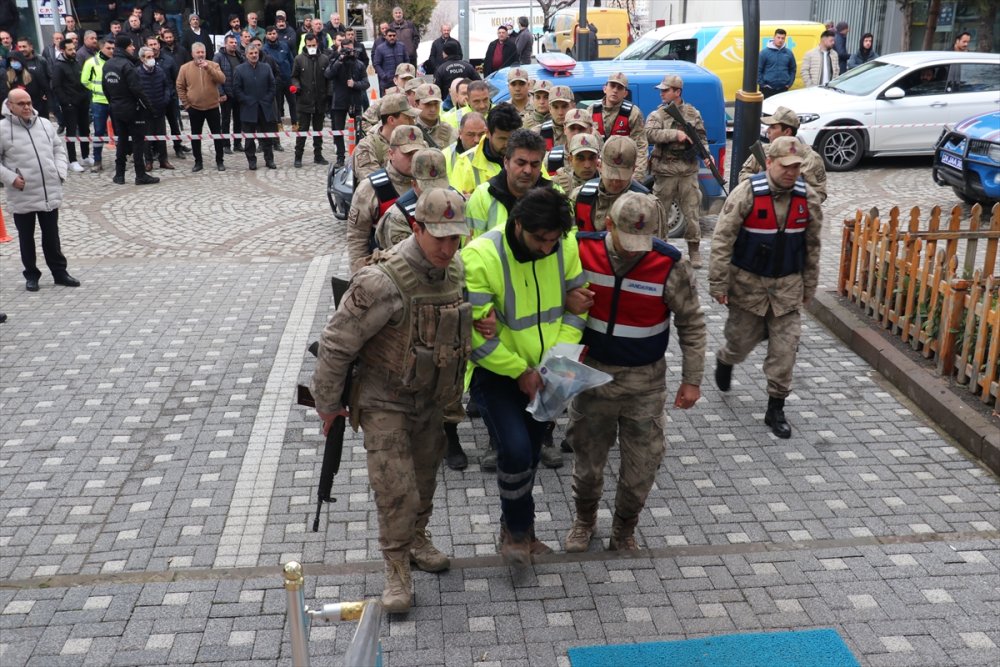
701, 88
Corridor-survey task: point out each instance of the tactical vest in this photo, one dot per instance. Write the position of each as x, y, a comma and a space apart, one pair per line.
426, 352
629, 324
764, 249
407, 204
556, 159
621, 125
548, 132
586, 202
386, 194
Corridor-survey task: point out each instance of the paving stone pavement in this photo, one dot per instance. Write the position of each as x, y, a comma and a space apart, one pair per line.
154, 472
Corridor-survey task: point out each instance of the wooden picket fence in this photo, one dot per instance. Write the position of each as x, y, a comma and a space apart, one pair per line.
912, 281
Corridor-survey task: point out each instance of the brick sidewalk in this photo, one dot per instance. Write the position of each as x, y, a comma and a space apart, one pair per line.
149, 447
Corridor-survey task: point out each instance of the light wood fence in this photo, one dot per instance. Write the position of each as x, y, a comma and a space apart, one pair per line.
938, 297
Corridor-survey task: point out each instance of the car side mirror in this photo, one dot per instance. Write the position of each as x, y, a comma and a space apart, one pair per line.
894, 93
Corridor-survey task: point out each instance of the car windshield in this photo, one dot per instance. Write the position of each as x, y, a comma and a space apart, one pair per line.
866, 78
638, 49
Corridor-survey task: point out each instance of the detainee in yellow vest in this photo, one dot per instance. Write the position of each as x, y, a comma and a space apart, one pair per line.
484, 160
477, 98
491, 202
470, 131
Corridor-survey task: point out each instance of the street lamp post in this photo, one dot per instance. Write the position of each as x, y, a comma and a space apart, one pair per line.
746, 117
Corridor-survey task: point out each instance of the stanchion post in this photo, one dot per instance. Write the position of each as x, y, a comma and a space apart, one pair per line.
298, 622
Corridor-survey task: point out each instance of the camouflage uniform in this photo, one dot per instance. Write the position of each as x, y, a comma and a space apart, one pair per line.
371, 117
438, 136
617, 161
372, 152
631, 407
675, 166
567, 180
363, 216
383, 323
762, 307
536, 117
637, 130
813, 170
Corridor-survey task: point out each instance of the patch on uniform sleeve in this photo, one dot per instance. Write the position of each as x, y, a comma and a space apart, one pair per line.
358, 302
728, 208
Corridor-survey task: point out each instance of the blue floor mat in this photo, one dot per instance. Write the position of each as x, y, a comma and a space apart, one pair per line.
797, 648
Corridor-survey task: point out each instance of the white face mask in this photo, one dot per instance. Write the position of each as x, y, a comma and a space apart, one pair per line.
311, 50
150, 63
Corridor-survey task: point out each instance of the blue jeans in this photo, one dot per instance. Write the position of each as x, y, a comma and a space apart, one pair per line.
99, 114
519, 445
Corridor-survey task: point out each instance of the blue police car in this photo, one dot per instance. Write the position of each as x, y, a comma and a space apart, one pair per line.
967, 158
701, 89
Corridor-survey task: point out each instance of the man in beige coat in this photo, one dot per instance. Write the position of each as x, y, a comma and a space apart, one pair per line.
819, 65
198, 84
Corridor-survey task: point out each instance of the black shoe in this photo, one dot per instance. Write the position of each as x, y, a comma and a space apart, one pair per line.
146, 179
489, 461
551, 456
279, 148
3, 317
455, 458
198, 166
220, 166
298, 163
565, 446
270, 164
473, 410
119, 180
723, 375
238, 146
67, 280
227, 150
252, 165
775, 418
319, 159
180, 153
31, 284
339, 163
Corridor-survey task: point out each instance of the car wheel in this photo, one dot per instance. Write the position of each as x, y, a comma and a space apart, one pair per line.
675, 222
964, 197
842, 150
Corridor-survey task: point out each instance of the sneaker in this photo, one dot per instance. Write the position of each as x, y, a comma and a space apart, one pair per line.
425, 555
397, 597
76, 167
579, 536
87, 162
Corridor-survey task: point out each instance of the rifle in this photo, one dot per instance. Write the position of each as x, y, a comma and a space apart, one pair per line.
699, 147
334, 448
757, 150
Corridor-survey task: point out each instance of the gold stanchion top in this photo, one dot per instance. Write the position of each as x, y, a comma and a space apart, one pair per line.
293, 572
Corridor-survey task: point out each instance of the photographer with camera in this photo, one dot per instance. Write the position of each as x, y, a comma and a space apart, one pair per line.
349, 81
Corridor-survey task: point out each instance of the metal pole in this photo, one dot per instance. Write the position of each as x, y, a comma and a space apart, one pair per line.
583, 35
463, 28
298, 623
746, 121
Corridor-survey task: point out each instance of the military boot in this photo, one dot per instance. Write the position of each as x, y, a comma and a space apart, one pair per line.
425, 555
515, 550
580, 534
398, 594
775, 418
551, 455
622, 536
455, 457
693, 254
723, 375
298, 158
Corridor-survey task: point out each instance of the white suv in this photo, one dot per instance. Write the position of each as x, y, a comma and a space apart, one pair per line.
893, 105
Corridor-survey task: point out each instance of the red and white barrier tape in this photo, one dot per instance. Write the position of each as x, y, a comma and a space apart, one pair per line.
234, 135
887, 126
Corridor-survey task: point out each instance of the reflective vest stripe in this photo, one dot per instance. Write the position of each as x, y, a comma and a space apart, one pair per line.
510, 301
628, 331
586, 202
479, 298
620, 126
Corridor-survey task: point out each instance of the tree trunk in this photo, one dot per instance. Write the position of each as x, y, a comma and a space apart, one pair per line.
988, 17
904, 38
933, 11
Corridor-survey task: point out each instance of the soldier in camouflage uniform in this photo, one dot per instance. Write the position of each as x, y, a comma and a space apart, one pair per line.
405, 319
638, 282
593, 200
674, 163
437, 133
371, 153
540, 91
371, 117
614, 115
379, 191
520, 95
583, 153
765, 267
785, 123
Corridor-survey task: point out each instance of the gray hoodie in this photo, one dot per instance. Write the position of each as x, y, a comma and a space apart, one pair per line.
33, 150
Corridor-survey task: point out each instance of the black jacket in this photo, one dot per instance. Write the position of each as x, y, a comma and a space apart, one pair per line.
155, 83
254, 89
308, 77
338, 72
66, 83
437, 52
41, 80
179, 54
126, 98
204, 38
451, 70
509, 56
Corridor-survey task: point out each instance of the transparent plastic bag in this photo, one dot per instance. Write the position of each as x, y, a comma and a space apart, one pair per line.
564, 378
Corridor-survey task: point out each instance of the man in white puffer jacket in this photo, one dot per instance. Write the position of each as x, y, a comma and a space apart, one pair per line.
33, 166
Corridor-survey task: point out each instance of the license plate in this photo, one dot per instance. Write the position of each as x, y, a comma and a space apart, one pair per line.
951, 161
609, 42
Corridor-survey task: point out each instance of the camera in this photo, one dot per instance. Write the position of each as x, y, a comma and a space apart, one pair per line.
346, 53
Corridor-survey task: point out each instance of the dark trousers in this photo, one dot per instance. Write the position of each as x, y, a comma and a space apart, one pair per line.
157, 149
519, 445
338, 119
249, 145
198, 120
131, 139
174, 118
77, 119
768, 92
230, 111
307, 121
280, 96
49, 223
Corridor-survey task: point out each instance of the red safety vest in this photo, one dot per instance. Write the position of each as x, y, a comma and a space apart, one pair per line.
620, 127
548, 132
763, 249
586, 202
385, 193
629, 324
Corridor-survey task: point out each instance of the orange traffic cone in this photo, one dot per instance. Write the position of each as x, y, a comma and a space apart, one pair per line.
352, 137
111, 134
4, 238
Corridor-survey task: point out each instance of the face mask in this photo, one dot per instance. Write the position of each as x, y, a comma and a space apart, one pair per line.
15, 65
311, 50
150, 63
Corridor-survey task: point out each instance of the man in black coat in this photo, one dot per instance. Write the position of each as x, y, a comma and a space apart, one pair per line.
350, 81
157, 85
40, 86
453, 67
75, 100
309, 82
130, 108
196, 33
438, 50
254, 86
500, 53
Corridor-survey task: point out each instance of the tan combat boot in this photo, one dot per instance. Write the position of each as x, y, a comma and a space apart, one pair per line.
398, 594
622, 538
694, 255
579, 535
425, 555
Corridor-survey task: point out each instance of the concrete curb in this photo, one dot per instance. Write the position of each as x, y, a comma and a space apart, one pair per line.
932, 393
